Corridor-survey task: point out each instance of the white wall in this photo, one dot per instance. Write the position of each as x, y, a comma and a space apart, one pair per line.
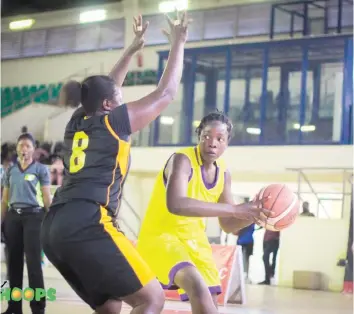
33, 116
270, 159
314, 245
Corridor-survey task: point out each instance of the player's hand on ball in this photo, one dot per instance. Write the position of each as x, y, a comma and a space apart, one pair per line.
139, 31
253, 210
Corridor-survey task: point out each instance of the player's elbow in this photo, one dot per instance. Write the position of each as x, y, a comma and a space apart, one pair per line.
167, 93
173, 205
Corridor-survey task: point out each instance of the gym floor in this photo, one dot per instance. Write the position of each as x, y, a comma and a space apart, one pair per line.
261, 300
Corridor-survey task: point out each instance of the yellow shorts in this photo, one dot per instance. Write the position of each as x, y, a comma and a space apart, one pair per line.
167, 254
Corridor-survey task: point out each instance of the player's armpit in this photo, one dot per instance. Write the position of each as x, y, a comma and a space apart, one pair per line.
119, 121
177, 200
177, 173
230, 224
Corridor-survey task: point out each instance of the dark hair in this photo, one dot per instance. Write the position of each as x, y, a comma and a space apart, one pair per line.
27, 136
90, 93
214, 116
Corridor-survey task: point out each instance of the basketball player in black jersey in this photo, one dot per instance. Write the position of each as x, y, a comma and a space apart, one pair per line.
79, 236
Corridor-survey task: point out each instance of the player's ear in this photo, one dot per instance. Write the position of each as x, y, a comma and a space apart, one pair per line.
107, 105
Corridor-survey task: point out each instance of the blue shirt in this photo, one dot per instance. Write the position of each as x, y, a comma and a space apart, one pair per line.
245, 236
25, 185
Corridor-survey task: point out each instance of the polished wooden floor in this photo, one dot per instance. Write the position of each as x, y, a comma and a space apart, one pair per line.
261, 300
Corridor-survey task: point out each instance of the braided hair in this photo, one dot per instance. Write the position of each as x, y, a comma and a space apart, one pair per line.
214, 116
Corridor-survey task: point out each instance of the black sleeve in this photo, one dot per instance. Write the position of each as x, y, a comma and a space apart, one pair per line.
119, 120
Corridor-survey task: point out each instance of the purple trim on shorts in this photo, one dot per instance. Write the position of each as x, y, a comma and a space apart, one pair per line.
213, 290
172, 274
210, 185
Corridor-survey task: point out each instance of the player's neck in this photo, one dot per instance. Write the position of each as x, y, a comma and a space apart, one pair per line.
208, 165
24, 163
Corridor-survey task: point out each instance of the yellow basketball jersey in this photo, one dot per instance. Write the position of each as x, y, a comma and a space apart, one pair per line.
159, 220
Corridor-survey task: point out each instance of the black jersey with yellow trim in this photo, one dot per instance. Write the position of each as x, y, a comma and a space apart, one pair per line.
96, 158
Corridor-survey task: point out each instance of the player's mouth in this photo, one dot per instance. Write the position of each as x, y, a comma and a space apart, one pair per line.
211, 153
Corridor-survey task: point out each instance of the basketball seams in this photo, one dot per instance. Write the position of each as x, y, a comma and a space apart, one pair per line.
274, 220
278, 222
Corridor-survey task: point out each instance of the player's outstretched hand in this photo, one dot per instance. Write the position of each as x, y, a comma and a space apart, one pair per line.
178, 28
139, 30
253, 210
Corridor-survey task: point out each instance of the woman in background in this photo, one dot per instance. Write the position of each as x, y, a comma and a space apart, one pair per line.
26, 196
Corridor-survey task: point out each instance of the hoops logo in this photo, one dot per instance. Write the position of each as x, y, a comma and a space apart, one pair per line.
27, 294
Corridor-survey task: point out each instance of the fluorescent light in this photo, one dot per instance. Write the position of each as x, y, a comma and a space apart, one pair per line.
21, 24
253, 131
304, 128
166, 120
92, 16
170, 6
308, 128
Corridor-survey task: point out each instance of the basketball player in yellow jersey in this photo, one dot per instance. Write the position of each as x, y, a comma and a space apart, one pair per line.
194, 184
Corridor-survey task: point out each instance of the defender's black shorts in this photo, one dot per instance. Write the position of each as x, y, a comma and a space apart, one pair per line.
96, 259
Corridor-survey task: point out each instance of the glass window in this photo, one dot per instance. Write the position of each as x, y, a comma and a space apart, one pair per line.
11, 45
87, 37
323, 114
61, 40
112, 34
155, 36
172, 120
209, 88
220, 23
347, 14
283, 95
34, 43
253, 19
245, 93
196, 29
282, 20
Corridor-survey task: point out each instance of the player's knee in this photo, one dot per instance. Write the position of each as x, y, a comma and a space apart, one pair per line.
155, 299
150, 297
192, 282
109, 307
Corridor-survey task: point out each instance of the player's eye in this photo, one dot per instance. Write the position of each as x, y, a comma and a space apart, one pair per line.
207, 137
220, 139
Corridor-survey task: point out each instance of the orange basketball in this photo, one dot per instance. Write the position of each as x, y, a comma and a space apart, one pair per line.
284, 204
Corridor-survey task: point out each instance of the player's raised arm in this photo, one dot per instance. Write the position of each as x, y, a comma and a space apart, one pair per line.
120, 69
177, 173
143, 111
71, 93
231, 224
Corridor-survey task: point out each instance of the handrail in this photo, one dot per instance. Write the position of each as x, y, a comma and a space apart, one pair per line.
312, 190
132, 209
346, 172
128, 226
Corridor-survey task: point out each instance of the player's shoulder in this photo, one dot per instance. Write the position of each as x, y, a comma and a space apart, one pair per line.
41, 167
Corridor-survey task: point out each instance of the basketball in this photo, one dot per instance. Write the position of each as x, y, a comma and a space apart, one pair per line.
284, 204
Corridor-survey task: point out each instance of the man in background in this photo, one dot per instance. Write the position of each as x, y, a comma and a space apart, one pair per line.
306, 210
270, 246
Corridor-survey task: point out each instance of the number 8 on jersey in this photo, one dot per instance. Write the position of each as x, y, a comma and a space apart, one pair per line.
78, 156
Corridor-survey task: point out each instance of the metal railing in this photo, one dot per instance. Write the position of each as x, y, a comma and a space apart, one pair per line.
345, 173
